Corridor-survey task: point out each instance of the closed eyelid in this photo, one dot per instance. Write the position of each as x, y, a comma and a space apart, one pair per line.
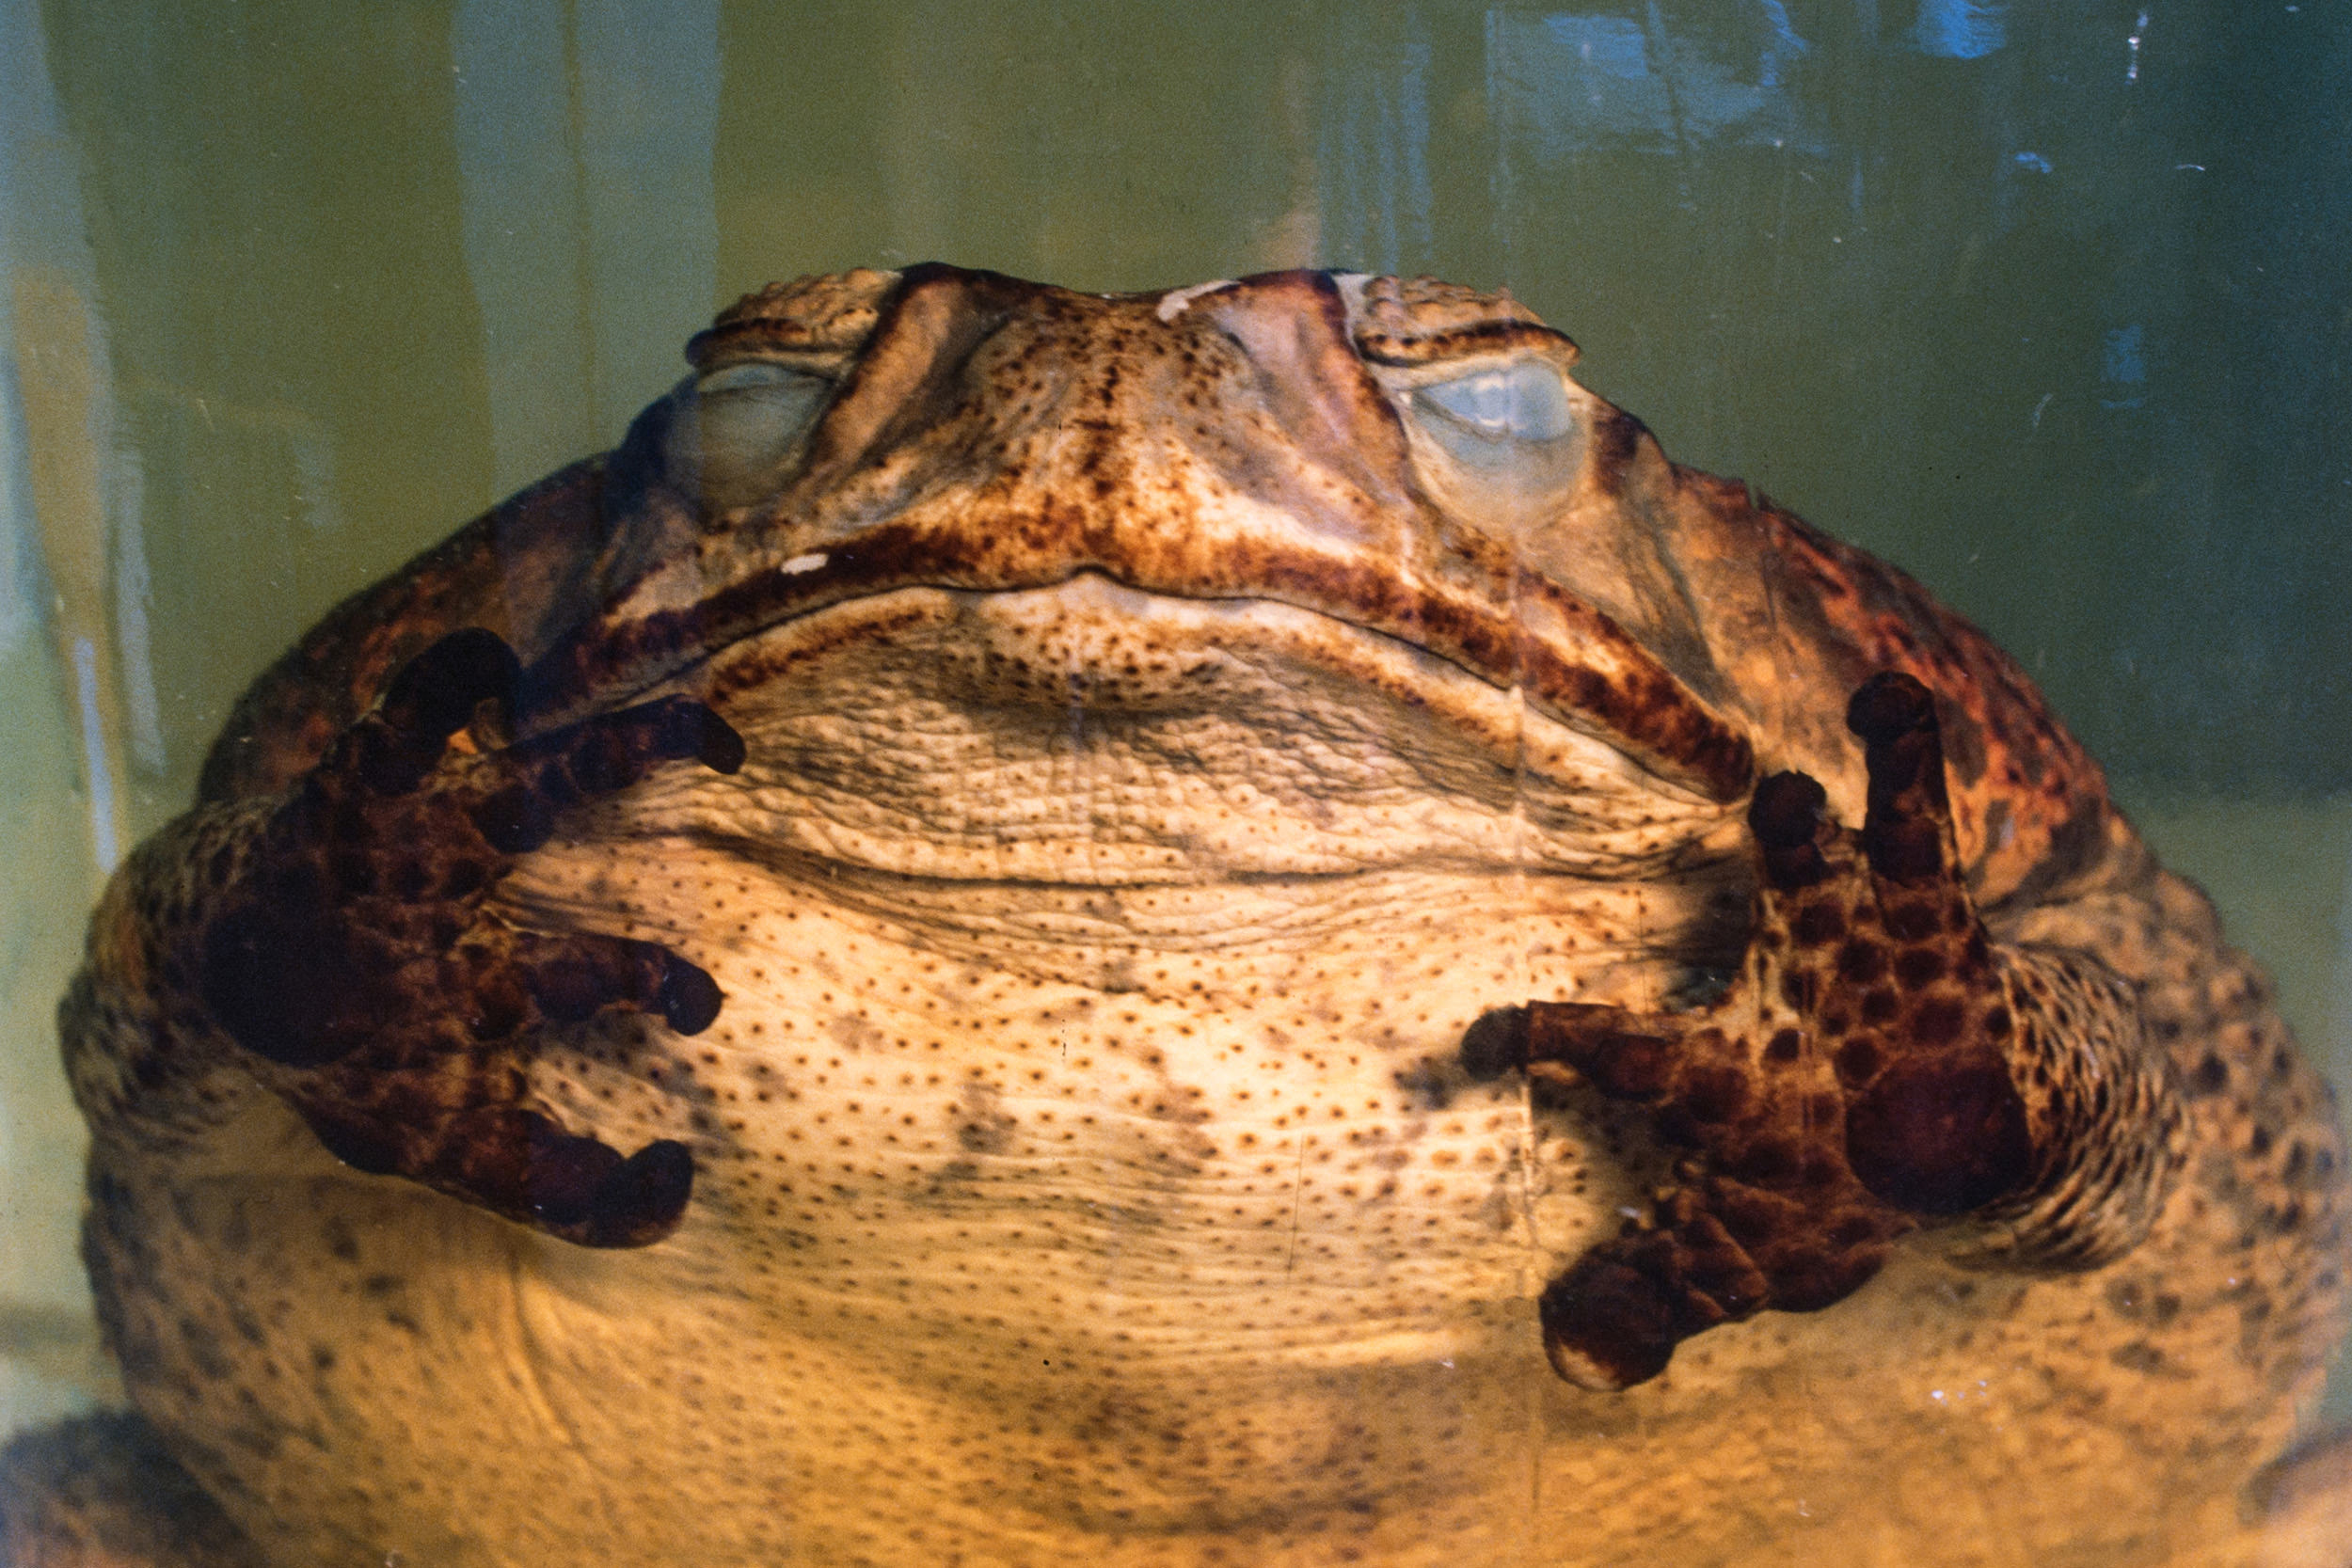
1526, 402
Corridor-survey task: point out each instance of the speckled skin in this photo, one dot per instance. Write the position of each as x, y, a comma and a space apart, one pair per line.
922, 1020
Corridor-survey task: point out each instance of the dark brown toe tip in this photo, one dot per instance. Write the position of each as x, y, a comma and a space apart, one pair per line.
1607, 1327
642, 1201
1495, 1043
515, 820
436, 692
718, 747
565, 1174
1787, 810
1888, 706
690, 998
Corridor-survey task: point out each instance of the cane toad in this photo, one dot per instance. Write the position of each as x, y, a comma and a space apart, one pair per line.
1229, 926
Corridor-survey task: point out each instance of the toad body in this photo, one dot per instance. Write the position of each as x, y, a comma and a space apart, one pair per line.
1229, 926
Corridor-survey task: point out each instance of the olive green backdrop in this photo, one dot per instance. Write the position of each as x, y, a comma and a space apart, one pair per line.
2048, 302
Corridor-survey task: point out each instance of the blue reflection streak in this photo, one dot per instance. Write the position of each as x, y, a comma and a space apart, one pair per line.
2121, 358
1574, 82
1960, 29
1784, 42
1610, 45
43, 230
2123, 363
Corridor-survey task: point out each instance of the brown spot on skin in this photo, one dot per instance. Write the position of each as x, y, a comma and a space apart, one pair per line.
1861, 961
1713, 1094
2037, 801
1617, 438
1916, 967
1819, 924
1910, 919
1769, 1162
1859, 1060
981, 1124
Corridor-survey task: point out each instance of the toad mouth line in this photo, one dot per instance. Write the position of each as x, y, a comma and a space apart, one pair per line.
1573, 662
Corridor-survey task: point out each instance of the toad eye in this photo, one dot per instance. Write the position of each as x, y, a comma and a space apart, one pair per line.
737, 426
1525, 402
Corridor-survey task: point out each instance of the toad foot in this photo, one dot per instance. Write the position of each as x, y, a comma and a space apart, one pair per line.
1879, 1065
350, 951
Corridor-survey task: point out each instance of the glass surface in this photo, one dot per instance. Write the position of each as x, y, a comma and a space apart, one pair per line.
2047, 304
